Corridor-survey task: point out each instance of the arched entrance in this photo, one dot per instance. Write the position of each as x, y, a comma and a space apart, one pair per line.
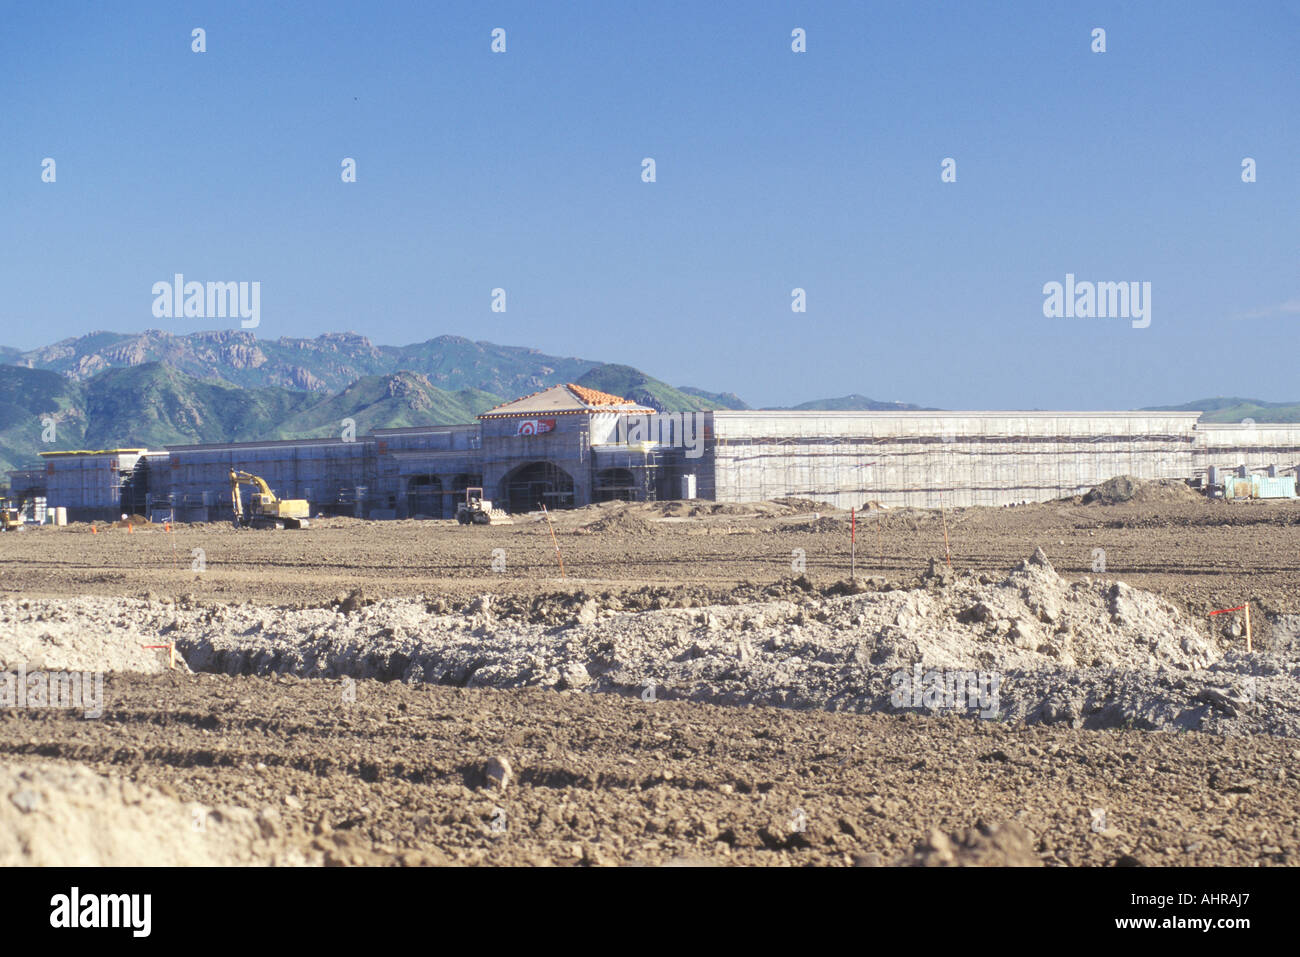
456, 490
424, 497
530, 486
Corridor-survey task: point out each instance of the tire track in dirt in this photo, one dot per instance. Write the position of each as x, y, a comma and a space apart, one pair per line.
600, 779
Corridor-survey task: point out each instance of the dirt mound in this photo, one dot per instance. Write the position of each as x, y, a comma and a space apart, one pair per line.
1029, 620
791, 644
802, 506
43, 639
54, 815
621, 522
824, 523
561, 607
775, 508
985, 845
343, 521
914, 519
1126, 488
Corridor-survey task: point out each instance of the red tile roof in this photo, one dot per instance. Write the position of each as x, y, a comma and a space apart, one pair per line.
558, 399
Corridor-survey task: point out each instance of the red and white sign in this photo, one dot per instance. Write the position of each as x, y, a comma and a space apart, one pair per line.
535, 426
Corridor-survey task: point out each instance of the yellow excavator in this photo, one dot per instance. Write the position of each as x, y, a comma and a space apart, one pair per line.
264, 509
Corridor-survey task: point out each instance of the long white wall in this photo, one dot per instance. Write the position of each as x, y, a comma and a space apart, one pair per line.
1254, 446
926, 459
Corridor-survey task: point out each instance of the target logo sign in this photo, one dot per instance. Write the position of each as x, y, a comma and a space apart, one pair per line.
535, 426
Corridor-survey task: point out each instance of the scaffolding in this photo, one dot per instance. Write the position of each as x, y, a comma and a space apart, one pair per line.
953, 459
628, 472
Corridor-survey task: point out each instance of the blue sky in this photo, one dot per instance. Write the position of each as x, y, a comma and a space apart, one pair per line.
775, 170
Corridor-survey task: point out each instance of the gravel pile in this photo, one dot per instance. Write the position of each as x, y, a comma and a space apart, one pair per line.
1126, 488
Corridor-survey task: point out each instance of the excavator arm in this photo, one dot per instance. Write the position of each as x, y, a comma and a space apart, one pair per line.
234, 497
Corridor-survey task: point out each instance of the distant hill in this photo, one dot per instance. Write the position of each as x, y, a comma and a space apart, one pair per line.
855, 403
388, 402
650, 392
154, 406
1233, 409
722, 400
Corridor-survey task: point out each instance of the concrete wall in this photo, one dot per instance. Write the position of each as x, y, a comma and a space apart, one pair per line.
196, 478
925, 459
89, 486
422, 470
1254, 446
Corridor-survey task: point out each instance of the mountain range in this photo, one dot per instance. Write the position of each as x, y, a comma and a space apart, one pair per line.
155, 389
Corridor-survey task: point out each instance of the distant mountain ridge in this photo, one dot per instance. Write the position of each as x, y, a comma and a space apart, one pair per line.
856, 403
156, 389
329, 363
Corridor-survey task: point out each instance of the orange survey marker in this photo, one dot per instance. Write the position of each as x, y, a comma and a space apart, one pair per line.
553, 540
947, 552
1246, 609
171, 652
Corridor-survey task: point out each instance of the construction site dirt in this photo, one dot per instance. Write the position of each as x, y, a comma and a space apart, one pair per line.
703, 685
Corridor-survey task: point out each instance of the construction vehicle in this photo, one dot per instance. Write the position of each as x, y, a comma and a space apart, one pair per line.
11, 516
476, 510
264, 509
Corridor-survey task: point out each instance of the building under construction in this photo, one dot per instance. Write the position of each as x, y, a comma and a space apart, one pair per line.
569, 446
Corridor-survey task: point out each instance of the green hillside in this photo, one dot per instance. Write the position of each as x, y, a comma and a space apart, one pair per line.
27, 398
722, 400
152, 405
388, 402
1233, 409
454, 363
639, 387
